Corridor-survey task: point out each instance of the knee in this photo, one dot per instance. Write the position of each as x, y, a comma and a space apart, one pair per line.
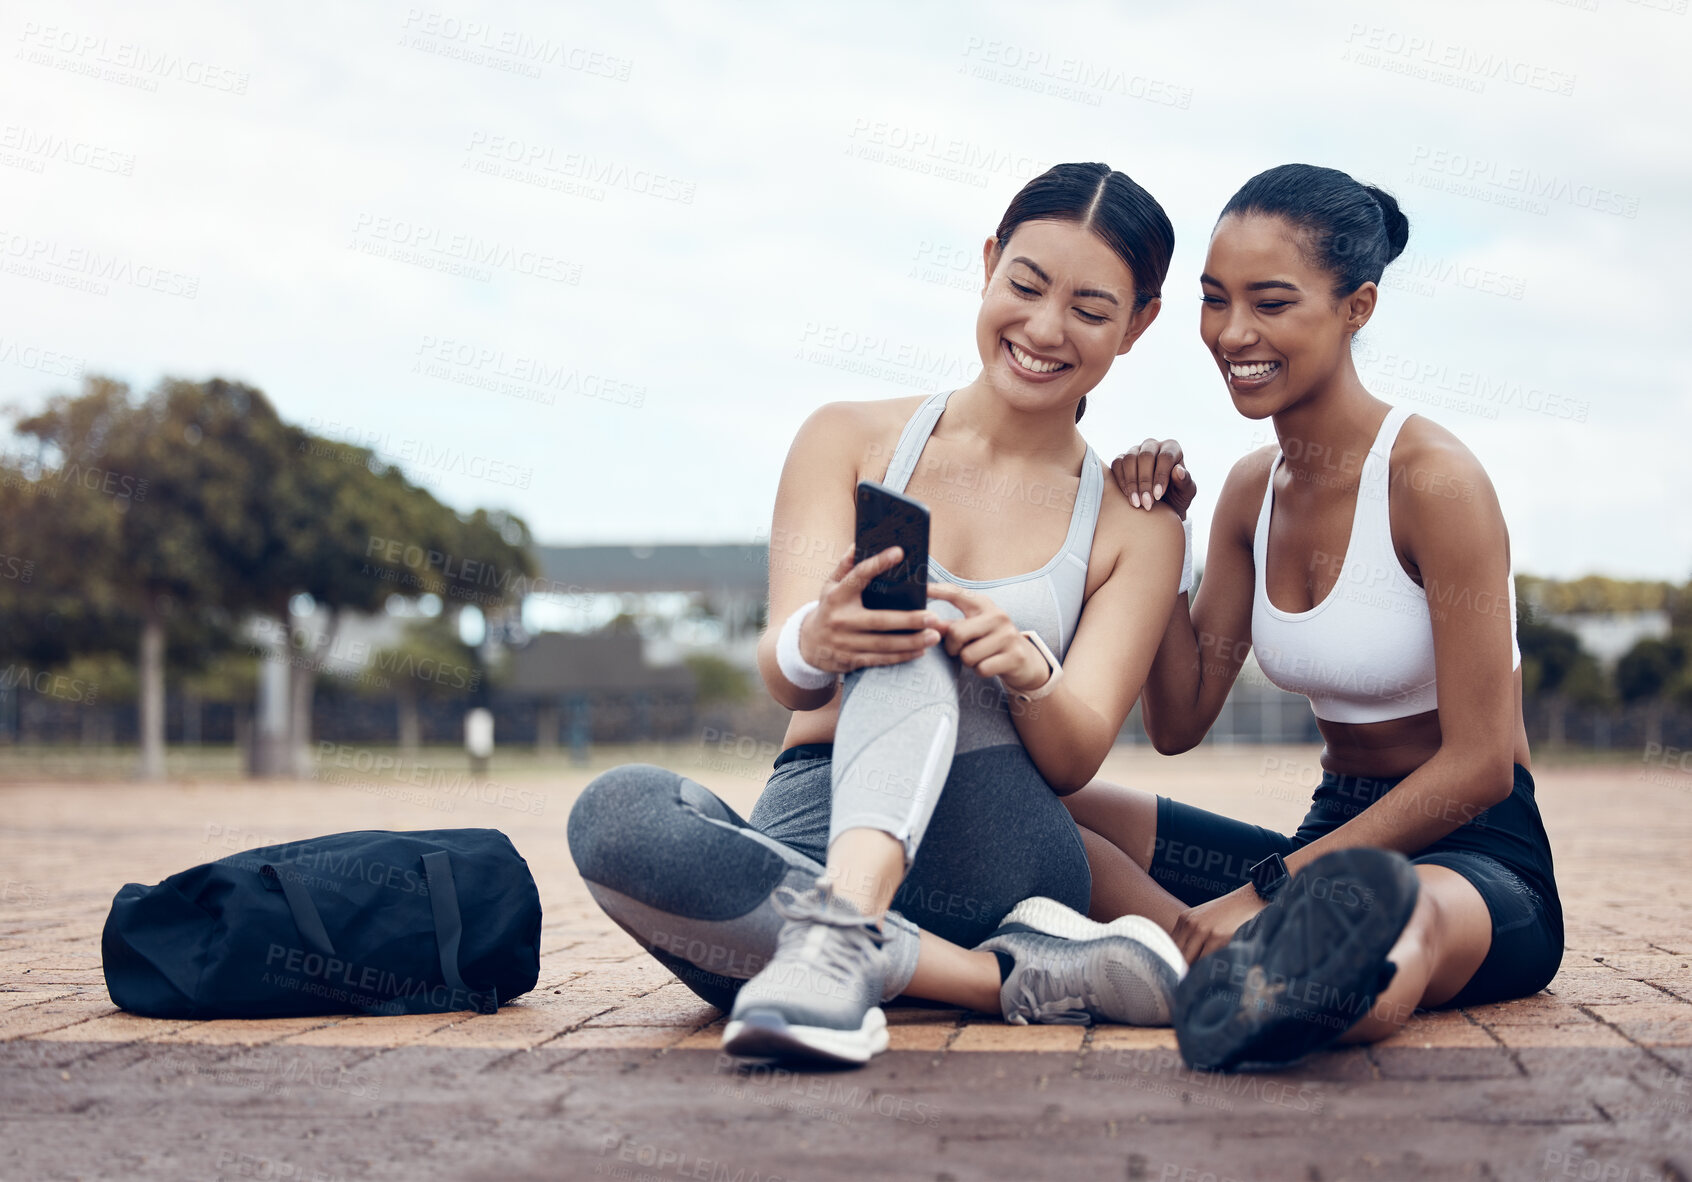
1426, 932
607, 819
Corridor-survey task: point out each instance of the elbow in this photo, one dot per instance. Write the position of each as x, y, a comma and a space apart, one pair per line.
1077, 772
1491, 778
1167, 737
1069, 783
791, 697
1500, 780
1167, 740
786, 694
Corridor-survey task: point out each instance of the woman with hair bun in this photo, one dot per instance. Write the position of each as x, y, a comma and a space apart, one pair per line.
914, 801
1364, 558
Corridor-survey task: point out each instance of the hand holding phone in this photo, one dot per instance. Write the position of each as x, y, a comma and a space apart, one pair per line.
887, 518
873, 609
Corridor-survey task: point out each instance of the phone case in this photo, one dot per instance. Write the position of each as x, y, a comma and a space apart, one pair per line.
887, 518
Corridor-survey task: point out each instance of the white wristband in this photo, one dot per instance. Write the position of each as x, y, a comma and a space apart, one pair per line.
792, 663
1186, 559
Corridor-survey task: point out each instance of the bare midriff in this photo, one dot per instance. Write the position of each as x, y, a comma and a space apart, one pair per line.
1397, 746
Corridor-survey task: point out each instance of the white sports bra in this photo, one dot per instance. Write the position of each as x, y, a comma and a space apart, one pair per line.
1365, 653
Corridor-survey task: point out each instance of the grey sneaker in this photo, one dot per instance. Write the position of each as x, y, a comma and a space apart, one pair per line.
1070, 970
819, 996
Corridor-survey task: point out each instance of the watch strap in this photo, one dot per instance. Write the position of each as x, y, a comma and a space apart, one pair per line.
1268, 876
1050, 683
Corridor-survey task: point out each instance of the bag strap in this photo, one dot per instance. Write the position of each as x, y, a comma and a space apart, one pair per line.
306, 918
449, 928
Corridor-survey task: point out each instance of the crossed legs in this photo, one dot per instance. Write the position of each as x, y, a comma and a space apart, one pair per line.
1445, 941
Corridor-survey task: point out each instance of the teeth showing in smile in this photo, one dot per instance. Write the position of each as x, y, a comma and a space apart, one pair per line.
1032, 363
1253, 369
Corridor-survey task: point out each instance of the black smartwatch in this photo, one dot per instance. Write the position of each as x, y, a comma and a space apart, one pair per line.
1268, 876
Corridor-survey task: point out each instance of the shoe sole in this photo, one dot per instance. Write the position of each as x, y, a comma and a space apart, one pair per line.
1322, 941
1053, 918
765, 1034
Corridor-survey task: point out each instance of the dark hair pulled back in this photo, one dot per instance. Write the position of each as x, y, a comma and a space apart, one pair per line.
1126, 217
1352, 230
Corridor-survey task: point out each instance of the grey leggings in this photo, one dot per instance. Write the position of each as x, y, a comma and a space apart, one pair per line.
680, 871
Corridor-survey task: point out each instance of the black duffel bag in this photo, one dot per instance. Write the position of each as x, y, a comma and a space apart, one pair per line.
372, 922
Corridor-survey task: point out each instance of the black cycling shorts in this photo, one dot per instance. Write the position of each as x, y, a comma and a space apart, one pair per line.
1503, 852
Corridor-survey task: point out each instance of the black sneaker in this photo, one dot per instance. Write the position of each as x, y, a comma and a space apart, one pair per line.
1304, 970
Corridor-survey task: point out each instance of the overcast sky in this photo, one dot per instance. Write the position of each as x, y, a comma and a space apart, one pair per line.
595, 265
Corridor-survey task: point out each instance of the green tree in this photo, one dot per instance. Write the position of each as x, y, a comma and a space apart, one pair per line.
334, 507
174, 518
160, 498
1646, 673
429, 663
716, 679
1551, 656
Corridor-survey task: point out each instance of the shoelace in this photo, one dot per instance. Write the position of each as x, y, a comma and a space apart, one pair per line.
833, 939
1054, 994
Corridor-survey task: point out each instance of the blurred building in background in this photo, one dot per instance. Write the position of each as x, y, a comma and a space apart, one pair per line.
633, 643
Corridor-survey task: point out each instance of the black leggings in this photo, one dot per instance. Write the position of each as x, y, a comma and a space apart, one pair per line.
1198, 856
680, 871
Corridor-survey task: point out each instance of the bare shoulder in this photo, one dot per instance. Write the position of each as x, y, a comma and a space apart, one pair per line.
1252, 469
858, 419
1433, 470
1242, 492
859, 434
1134, 528
865, 431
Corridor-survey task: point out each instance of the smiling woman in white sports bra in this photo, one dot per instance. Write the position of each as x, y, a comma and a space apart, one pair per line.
1364, 559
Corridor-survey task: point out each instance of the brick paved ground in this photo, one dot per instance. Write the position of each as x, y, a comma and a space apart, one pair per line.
609, 1068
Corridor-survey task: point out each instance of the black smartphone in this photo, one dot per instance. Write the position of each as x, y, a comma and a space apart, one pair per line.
887, 518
